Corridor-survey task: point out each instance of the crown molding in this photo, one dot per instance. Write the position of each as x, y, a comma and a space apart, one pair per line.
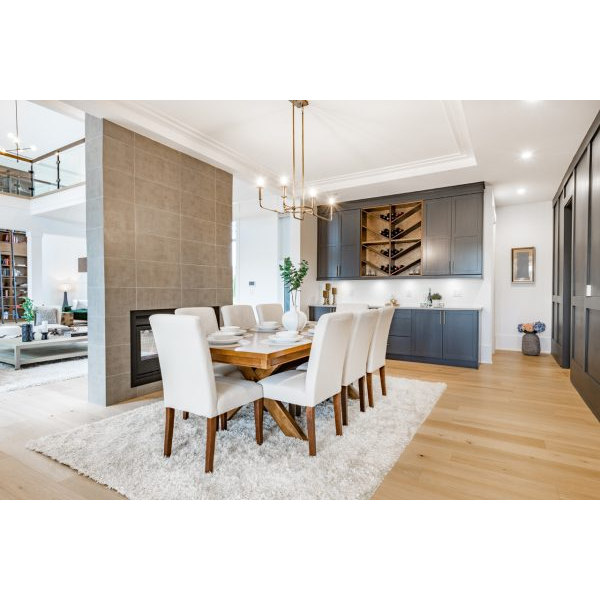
176, 134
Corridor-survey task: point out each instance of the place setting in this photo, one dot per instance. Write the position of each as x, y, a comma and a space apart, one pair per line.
284, 338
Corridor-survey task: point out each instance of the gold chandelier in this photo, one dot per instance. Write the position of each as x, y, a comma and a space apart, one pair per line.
298, 205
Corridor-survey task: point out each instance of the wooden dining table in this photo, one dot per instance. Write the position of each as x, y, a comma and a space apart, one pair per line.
257, 359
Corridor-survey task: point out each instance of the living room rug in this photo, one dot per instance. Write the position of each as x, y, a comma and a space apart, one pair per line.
32, 375
125, 452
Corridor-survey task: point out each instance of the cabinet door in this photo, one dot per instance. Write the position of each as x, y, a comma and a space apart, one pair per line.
328, 262
328, 233
437, 237
461, 335
350, 243
467, 238
427, 333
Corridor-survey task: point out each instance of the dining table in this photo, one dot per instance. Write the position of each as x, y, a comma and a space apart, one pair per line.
257, 357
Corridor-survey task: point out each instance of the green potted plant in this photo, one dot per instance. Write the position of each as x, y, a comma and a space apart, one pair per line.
29, 317
293, 276
436, 299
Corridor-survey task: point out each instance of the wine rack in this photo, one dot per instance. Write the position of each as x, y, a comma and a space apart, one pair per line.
391, 240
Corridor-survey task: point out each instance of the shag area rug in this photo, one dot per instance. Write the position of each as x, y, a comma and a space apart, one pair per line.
32, 375
125, 452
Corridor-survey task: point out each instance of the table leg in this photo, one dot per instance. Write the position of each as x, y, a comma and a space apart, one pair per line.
17, 357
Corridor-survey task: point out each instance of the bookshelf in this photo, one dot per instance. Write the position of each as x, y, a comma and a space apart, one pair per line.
13, 273
391, 237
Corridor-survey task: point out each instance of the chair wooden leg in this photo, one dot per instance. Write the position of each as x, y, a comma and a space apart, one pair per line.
258, 420
169, 423
310, 430
345, 405
186, 415
361, 393
370, 389
292, 409
211, 437
218, 420
224, 422
382, 379
337, 411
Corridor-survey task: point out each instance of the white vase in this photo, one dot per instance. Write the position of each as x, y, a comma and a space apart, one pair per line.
294, 319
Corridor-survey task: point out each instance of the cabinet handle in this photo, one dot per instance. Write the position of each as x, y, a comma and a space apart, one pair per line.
441, 318
449, 266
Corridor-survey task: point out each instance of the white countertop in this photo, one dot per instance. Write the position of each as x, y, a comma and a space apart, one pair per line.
478, 308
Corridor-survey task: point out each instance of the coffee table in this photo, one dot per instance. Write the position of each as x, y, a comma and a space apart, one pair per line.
16, 352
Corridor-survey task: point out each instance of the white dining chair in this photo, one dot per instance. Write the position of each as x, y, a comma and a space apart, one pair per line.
351, 307
355, 363
322, 379
378, 350
189, 383
269, 312
238, 315
209, 324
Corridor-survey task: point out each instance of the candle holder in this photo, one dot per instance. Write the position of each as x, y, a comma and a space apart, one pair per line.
325, 297
334, 294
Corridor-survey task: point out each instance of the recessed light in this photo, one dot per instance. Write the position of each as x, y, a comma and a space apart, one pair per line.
521, 191
526, 154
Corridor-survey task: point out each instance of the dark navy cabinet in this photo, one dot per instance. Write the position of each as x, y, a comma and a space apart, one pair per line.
449, 337
339, 246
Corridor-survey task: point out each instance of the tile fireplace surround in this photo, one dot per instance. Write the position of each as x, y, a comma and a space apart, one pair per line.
158, 236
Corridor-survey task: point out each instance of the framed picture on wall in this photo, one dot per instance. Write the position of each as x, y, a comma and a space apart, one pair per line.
523, 265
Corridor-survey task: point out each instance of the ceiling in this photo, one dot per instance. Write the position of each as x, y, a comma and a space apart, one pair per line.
357, 149
45, 129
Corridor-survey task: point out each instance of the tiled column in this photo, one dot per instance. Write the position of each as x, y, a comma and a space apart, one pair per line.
159, 236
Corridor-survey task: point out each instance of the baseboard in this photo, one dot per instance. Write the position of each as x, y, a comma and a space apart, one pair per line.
513, 342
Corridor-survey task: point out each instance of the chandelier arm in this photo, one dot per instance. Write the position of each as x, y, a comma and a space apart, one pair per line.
303, 158
293, 156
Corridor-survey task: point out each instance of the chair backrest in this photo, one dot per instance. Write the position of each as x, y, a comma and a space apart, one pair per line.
10, 330
327, 354
208, 318
363, 329
185, 364
378, 348
351, 307
240, 315
269, 312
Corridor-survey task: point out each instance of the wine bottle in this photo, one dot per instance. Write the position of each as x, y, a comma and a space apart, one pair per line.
429, 298
385, 232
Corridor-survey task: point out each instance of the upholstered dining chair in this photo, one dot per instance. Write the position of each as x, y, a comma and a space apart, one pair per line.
355, 363
209, 324
351, 307
189, 382
238, 315
321, 380
378, 350
269, 312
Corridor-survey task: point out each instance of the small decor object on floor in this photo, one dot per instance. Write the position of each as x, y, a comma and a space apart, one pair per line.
531, 342
294, 319
29, 316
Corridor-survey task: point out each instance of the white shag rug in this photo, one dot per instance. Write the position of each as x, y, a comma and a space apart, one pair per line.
125, 452
32, 375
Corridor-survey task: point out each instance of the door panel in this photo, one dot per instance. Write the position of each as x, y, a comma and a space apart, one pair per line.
399, 345
401, 322
328, 232
461, 335
580, 225
593, 350
328, 262
594, 228
438, 237
467, 226
350, 261
427, 333
350, 227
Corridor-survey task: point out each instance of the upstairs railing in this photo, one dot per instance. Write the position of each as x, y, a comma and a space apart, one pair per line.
50, 172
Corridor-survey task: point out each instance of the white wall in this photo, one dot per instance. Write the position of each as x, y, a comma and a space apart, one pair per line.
59, 265
520, 226
257, 251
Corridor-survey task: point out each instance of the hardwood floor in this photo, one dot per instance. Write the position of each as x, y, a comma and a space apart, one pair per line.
514, 429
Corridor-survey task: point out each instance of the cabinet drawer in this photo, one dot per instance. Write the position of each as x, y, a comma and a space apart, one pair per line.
401, 323
316, 312
399, 345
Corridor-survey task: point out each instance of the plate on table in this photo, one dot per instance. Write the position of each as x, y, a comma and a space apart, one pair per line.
261, 329
273, 340
232, 331
223, 340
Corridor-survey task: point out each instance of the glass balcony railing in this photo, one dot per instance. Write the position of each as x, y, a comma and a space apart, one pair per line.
53, 171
